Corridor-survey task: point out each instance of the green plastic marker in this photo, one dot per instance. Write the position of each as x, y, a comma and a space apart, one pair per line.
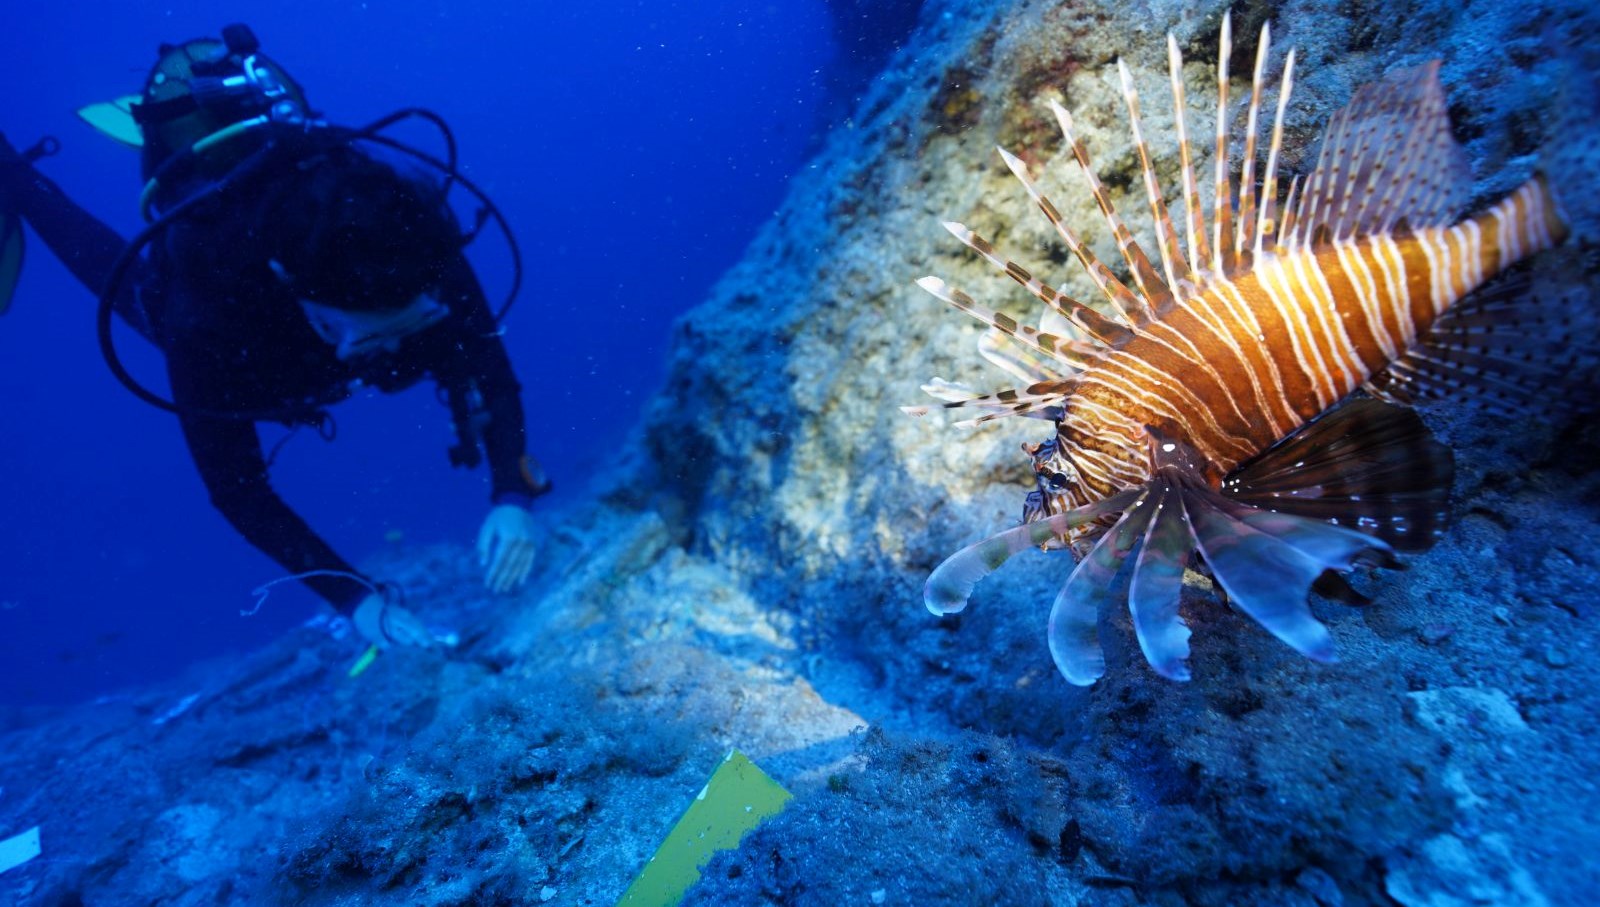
19, 849
736, 799
364, 662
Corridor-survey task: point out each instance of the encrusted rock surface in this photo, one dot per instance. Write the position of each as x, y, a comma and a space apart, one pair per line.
752, 578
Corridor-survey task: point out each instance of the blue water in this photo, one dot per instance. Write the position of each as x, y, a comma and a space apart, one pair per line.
634, 148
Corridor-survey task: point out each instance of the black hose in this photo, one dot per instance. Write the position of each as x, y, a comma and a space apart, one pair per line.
452, 160
370, 133
113, 288
119, 273
452, 173
488, 204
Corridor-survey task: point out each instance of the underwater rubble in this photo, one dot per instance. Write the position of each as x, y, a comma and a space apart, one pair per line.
750, 578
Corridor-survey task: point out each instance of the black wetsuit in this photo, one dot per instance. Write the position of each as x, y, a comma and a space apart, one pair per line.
237, 340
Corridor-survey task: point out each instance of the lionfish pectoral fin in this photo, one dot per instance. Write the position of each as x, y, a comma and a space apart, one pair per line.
1267, 563
1513, 347
1157, 584
1364, 465
1074, 629
952, 582
948, 391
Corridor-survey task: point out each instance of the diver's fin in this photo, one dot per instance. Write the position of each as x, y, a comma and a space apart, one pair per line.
11, 249
114, 120
1512, 348
1366, 464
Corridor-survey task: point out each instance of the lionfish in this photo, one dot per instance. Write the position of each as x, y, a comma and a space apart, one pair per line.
1248, 403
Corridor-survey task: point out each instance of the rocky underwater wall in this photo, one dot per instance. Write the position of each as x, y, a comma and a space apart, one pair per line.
1416, 769
751, 577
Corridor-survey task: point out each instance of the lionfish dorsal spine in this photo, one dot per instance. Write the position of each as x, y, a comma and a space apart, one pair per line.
1244, 230
1222, 199
1158, 293
1094, 325
1388, 165
1290, 202
1122, 298
1067, 353
1199, 249
1132, 253
1266, 228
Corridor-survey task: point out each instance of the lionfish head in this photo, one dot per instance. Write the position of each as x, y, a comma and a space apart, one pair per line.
1059, 489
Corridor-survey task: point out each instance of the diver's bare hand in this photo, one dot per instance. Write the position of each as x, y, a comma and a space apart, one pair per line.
506, 547
385, 625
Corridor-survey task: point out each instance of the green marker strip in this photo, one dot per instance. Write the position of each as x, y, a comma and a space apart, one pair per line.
736, 799
15, 851
364, 662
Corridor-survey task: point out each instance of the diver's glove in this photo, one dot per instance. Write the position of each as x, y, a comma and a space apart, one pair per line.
506, 547
384, 624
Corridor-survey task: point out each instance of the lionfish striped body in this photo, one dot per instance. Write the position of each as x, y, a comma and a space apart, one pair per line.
1216, 413
1250, 358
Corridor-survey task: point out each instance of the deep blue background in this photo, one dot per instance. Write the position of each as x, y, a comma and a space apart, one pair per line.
634, 146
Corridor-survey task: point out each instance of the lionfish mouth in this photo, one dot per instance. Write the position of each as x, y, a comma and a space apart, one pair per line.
1057, 493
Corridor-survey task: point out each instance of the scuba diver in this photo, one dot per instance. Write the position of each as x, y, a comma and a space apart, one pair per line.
287, 263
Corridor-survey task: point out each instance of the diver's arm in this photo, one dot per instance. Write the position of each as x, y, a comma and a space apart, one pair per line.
86, 246
227, 453
478, 355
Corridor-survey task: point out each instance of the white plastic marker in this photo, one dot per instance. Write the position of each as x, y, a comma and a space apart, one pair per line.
19, 849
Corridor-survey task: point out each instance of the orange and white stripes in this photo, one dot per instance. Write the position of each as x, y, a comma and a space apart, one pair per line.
1254, 326
1320, 322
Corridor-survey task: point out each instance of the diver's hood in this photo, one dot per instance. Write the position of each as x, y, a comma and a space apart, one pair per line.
201, 87
355, 335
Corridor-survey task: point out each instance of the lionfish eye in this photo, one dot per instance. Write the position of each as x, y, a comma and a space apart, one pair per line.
1057, 481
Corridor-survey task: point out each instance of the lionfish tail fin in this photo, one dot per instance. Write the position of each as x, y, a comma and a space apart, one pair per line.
1366, 465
